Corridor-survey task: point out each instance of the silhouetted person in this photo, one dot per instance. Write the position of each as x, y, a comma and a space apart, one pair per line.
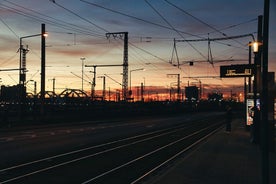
228, 118
256, 125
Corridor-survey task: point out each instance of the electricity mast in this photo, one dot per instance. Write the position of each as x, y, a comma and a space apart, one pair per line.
123, 35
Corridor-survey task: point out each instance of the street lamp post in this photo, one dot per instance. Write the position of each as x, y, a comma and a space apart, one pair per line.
256, 90
22, 63
22, 68
138, 69
42, 77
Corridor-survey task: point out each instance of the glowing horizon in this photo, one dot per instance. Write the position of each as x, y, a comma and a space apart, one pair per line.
71, 38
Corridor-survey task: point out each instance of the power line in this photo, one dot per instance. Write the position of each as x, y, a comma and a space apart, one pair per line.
9, 28
108, 31
187, 13
199, 20
8, 59
144, 63
49, 20
148, 53
174, 28
56, 22
79, 16
102, 28
152, 65
222, 38
137, 18
41, 17
241, 23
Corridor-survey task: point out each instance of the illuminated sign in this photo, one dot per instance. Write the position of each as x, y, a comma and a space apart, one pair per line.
246, 70
250, 111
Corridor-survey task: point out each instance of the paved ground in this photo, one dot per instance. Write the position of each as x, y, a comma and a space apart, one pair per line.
228, 158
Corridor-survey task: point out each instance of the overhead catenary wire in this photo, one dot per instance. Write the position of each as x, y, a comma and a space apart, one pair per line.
103, 29
146, 63
98, 26
137, 18
199, 20
39, 17
56, 22
153, 67
86, 20
147, 52
134, 45
14, 33
194, 17
82, 30
8, 60
174, 29
215, 39
238, 24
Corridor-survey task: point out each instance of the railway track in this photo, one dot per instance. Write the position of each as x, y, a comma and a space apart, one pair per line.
128, 160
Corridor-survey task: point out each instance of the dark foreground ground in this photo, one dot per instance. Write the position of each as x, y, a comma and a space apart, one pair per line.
229, 158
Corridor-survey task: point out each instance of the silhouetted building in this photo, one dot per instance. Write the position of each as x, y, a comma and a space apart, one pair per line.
215, 96
191, 93
12, 93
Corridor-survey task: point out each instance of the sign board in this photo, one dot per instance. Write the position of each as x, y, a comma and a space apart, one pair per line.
245, 70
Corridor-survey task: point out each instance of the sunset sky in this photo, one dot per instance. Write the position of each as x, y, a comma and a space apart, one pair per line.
76, 29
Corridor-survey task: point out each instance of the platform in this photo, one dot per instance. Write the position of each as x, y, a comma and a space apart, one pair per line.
228, 158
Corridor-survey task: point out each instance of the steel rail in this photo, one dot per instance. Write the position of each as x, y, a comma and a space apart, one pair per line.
152, 135
175, 156
146, 155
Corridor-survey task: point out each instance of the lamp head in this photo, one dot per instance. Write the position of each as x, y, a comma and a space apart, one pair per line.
45, 34
255, 47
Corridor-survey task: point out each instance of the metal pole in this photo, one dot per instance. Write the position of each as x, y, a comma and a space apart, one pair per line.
125, 62
35, 88
54, 84
130, 91
82, 60
93, 83
249, 88
20, 82
249, 62
178, 87
20, 59
142, 92
264, 103
245, 91
42, 91
256, 119
104, 85
82, 75
258, 81
125, 66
